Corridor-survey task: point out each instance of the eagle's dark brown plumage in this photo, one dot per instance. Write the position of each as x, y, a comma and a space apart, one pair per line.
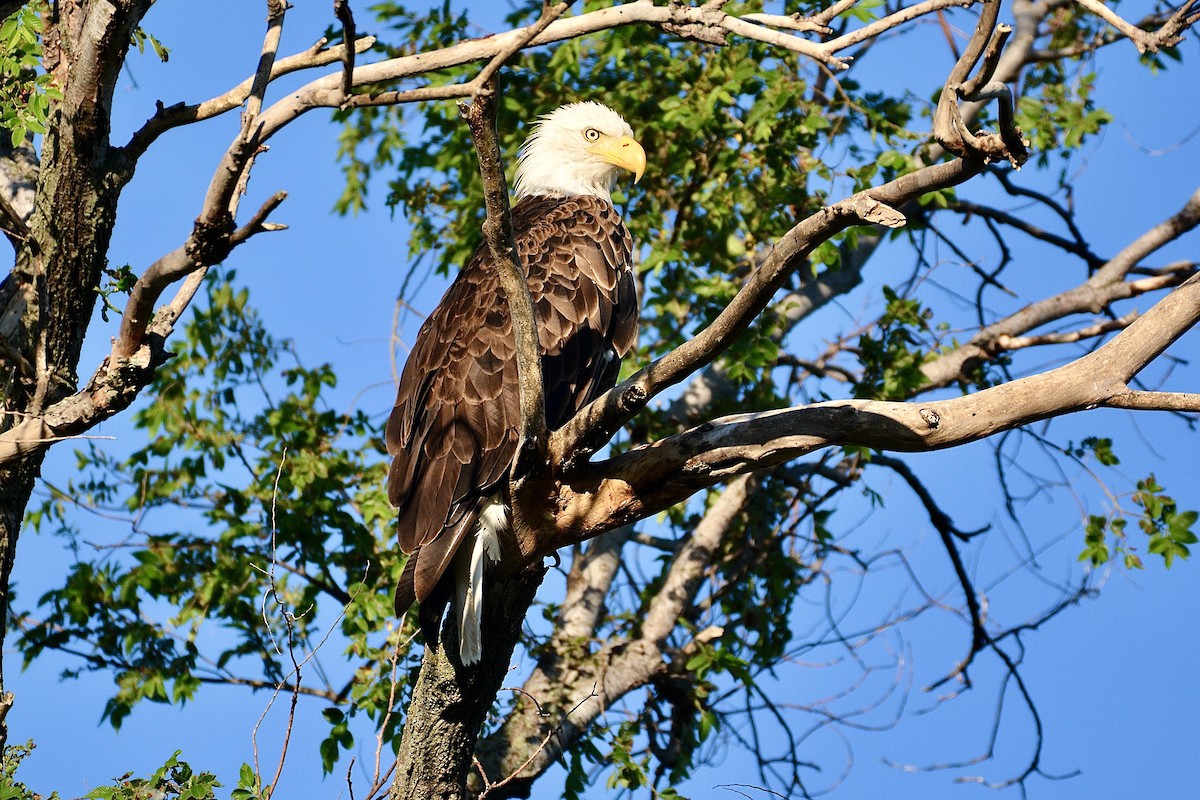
453, 431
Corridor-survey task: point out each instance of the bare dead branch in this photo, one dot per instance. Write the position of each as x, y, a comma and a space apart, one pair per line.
791, 22
178, 114
549, 15
205, 247
1169, 35
707, 22
131, 366
276, 9
1104, 287
1009, 343
874, 29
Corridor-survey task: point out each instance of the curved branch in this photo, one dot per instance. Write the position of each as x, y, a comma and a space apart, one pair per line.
595, 424
706, 22
641, 482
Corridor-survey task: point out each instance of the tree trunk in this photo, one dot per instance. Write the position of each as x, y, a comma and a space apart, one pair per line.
16, 485
46, 302
450, 702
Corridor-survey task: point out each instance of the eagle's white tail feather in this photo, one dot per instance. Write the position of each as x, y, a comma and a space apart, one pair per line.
493, 519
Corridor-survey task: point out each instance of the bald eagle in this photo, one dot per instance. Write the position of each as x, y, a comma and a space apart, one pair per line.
453, 431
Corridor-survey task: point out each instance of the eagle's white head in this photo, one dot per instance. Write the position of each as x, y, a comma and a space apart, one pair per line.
578, 149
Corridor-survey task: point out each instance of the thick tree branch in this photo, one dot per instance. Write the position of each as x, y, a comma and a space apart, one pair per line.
706, 22
594, 425
642, 482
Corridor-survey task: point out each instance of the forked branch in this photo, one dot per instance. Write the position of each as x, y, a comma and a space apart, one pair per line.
949, 125
641, 482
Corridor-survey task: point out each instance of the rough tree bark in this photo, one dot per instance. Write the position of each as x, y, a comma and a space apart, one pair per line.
52, 289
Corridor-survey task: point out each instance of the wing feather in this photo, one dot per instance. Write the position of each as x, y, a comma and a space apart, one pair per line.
453, 431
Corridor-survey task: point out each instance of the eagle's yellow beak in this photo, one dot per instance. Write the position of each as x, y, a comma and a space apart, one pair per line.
623, 152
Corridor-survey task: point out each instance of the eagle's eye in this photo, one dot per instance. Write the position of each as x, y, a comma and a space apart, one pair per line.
591, 134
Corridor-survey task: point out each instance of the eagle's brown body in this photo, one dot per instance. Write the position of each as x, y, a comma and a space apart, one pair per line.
453, 431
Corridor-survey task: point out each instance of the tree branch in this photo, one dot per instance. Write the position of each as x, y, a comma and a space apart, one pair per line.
595, 424
641, 482
480, 115
706, 22
179, 114
949, 122
345, 15
1106, 286
1155, 401
1074, 246
1169, 35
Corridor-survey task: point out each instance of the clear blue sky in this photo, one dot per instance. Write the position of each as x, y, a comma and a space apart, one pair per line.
1113, 677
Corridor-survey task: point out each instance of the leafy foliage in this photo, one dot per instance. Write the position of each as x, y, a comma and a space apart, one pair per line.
275, 510
25, 92
10, 787
1169, 531
174, 780
892, 356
